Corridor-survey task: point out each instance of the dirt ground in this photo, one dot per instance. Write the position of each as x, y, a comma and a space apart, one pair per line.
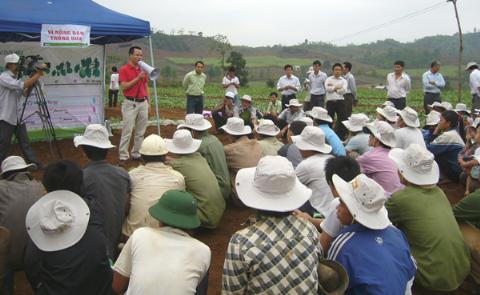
216, 239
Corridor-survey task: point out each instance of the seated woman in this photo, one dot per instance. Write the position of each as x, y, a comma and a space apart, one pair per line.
446, 144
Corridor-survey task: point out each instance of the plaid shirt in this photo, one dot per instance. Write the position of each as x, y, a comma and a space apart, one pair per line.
274, 255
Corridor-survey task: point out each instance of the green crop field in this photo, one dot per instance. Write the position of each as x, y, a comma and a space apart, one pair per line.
260, 61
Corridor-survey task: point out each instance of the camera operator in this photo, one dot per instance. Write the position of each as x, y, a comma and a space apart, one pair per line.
11, 91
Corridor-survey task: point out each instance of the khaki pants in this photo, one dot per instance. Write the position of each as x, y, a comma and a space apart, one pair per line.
135, 116
472, 238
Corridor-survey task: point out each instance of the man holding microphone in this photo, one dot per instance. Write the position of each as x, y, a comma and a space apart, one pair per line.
11, 91
134, 84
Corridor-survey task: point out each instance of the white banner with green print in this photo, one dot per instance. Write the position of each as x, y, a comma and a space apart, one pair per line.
72, 87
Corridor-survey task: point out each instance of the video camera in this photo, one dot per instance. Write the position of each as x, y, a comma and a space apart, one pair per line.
28, 65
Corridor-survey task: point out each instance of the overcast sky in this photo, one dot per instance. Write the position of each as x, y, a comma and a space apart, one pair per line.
269, 22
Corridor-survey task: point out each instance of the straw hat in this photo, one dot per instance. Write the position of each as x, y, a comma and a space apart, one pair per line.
410, 117
356, 122
383, 132
196, 122
272, 186
332, 278
14, 163
267, 127
95, 135
58, 220
236, 126
153, 145
364, 199
416, 164
319, 113
293, 103
389, 113
312, 139
182, 143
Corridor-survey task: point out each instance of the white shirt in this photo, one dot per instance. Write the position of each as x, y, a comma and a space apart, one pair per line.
114, 81
475, 82
231, 88
407, 135
449, 137
11, 90
333, 94
397, 88
331, 225
292, 81
311, 172
163, 260
149, 182
317, 83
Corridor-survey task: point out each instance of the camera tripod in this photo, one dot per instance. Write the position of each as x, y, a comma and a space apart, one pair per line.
44, 115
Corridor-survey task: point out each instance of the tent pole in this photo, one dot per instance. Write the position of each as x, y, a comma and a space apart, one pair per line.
152, 63
102, 119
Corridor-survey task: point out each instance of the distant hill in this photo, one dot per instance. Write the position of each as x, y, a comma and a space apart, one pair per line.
176, 53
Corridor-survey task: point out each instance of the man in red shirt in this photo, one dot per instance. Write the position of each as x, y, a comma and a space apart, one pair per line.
134, 83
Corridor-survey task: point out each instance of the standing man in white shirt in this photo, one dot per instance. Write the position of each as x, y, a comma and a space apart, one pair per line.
472, 69
231, 83
114, 87
398, 85
336, 87
288, 85
316, 81
433, 84
350, 95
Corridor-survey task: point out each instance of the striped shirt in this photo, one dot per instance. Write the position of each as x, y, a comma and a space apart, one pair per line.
273, 255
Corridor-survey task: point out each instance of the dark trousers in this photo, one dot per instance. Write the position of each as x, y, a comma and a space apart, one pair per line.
112, 94
219, 118
202, 288
399, 103
429, 98
338, 107
349, 98
6, 132
475, 102
317, 100
286, 100
194, 104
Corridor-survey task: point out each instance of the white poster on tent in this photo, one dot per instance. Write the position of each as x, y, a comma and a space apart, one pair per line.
72, 87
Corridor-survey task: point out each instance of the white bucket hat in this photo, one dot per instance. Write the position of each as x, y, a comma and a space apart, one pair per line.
293, 103
319, 113
272, 186
410, 117
182, 143
383, 132
95, 135
436, 104
364, 199
153, 145
470, 64
389, 113
13, 163
388, 103
416, 164
58, 220
446, 105
196, 122
307, 120
236, 126
247, 98
312, 139
433, 118
230, 94
461, 107
11, 59
356, 122
267, 127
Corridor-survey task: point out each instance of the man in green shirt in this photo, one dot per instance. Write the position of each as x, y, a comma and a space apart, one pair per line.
422, 211
194, 83
199, 178
274, 107
211, 149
